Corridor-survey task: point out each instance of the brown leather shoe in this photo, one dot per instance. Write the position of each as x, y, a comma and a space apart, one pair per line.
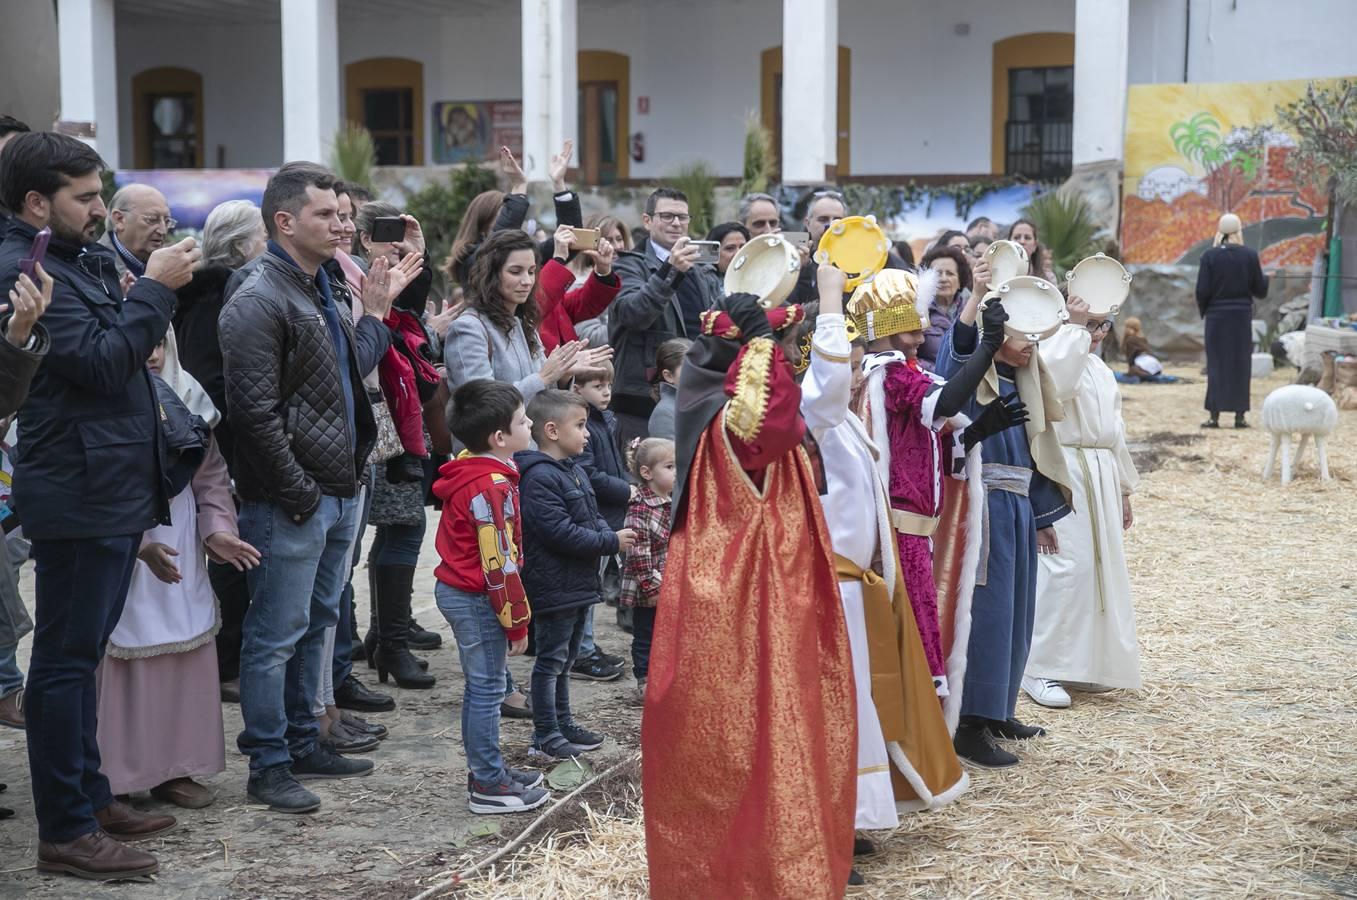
96, 856
12, 709
183, 792
127, 824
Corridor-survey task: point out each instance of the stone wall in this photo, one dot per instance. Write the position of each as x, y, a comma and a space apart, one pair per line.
1164, 299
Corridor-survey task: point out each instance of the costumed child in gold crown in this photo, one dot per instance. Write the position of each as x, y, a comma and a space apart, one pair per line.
914, 419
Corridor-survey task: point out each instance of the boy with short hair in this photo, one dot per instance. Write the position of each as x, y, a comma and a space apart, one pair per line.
480, 587
565, 537
606, 467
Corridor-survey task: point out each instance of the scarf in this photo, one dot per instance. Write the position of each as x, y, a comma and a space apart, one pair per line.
185, 385
134, 265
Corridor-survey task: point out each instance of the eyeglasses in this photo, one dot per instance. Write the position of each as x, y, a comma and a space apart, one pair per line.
1097, 328
152, 221
669, 218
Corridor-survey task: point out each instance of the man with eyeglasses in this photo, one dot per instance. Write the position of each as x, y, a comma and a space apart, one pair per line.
825, 208
138, 223
664, 293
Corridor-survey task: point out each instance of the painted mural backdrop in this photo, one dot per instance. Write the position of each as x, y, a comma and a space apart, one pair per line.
1195, 151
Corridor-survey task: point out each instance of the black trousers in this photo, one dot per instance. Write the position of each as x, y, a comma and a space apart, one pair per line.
643, 632
81, 588
233, 595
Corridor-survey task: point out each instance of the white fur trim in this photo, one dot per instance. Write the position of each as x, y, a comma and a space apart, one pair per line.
926, 799
924, 293
961, 614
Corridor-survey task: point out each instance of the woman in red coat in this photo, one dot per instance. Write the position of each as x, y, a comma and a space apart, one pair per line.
561, 307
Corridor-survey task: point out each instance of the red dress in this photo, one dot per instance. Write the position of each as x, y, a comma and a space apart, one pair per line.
749, 733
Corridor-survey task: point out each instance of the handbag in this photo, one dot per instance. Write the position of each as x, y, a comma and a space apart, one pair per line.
389, 444
184, 439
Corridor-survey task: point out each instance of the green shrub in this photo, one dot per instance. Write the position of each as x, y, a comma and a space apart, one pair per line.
698, 181
353, 155
439, 207
1065, 227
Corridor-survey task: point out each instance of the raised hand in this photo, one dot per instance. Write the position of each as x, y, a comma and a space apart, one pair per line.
602, 258
684, 255
992, 319
559, 164
513, 171
29, 303
564, 239
413, 242
559, 363
1078, 311
173, 266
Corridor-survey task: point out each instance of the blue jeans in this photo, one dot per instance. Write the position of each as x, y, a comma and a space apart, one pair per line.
643, 633
558, 643
294, 597
81, 589
483, 650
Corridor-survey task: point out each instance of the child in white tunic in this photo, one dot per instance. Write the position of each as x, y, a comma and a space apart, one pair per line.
855, 509
1084, 636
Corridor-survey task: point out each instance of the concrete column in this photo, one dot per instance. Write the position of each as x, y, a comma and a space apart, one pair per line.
89, 72
550, 83
311, 79
810, 67
1100, 56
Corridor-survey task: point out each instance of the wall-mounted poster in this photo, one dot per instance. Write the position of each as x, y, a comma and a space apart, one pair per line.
474, 130
1195, 151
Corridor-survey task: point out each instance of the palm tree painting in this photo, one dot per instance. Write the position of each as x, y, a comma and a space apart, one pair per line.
1230, 164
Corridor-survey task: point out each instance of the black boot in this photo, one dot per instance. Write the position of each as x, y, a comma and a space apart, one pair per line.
421, 638
395, 584
371, 638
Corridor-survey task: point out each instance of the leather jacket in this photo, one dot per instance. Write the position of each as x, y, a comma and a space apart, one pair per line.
284, 395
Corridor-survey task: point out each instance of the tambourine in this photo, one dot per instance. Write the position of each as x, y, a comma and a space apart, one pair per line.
1007, 259
1035, 307
1101, 282
766, 266
855, 246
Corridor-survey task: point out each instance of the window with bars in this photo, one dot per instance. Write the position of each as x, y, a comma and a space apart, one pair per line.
389, 116
1039, 133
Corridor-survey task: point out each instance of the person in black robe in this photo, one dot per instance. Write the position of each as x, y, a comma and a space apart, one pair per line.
1228, 280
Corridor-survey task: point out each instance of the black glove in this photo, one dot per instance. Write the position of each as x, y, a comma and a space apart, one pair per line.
992, 319
1003, 413
748, 316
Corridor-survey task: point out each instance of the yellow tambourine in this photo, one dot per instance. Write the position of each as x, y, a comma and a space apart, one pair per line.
855, 246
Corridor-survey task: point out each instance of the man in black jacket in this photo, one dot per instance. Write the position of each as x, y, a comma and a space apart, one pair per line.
294, 364
88, 482
664, 292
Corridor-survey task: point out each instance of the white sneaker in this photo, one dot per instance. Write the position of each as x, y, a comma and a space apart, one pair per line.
1046, 692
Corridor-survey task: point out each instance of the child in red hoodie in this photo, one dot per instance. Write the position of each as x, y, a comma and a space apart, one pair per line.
480, 591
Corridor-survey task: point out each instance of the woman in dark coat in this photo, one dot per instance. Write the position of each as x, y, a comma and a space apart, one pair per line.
1229, 279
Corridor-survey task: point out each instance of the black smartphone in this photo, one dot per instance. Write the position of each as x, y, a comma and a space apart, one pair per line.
388, 229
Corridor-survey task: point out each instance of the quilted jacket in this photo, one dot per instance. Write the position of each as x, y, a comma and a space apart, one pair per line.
283, 390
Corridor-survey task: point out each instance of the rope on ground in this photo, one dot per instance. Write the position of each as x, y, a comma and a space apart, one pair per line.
526, 832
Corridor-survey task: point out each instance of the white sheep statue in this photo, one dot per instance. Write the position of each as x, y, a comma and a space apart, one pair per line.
1298, 409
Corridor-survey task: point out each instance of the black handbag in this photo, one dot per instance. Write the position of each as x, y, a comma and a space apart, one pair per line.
185, 439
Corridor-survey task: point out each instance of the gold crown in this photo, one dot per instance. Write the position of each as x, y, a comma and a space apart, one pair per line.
887, 305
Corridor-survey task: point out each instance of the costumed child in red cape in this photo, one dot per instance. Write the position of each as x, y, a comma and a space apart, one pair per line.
749, 734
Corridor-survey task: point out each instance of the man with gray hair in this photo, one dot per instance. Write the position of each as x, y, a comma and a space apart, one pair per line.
760, 214
138, 223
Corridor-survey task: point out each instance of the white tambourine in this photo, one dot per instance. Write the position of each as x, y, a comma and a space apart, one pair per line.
1007, 260
766, 266
1035, 307
1101, 282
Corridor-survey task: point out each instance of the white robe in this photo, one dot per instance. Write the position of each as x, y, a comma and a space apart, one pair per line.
1085, 628
850, 471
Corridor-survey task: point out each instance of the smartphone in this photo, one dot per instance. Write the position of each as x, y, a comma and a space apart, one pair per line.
388, 229
707, 251
36, 254
586, 238
796, 238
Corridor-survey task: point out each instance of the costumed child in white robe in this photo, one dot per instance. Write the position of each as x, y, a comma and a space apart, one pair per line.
160, 723
905, 754
1084, 634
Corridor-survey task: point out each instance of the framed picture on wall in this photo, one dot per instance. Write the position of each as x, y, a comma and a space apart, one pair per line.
474, 130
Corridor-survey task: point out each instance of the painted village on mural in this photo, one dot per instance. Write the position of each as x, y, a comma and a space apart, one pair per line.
774, 449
